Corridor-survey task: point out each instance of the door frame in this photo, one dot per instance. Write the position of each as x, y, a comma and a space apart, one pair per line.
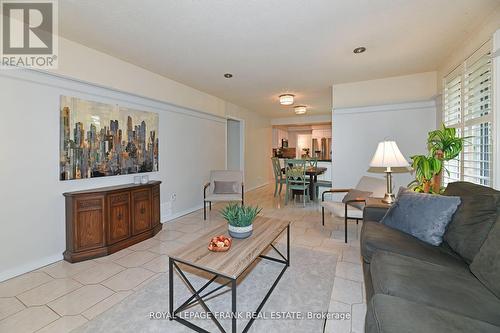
242, 141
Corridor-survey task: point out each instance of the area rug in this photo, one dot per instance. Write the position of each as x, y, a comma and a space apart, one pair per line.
298, 304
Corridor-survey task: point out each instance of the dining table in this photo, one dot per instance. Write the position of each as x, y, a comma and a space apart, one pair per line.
313, 173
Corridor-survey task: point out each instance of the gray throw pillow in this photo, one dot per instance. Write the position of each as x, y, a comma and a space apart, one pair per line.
424, 216
356, 195
471, 224
225, 187
486, 264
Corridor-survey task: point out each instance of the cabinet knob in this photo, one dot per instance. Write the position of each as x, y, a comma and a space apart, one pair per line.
143, 210
119, 216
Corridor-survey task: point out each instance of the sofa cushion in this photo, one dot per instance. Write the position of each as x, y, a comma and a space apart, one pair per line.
471, 224
422, 215
376, 236
444, 287
225, 187
388, 314
486, 264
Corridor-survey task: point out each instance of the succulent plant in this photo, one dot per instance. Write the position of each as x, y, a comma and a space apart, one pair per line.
240, 216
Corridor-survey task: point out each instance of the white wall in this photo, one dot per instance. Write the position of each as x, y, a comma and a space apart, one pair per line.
357, 131
33, 227
258, 141
89, 65
397, 89
233, 145
192, 142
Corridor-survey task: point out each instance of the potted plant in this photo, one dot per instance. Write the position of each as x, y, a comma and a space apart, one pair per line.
240, 219
443, 145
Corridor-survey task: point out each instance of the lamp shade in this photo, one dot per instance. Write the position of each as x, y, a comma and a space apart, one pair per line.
388, 155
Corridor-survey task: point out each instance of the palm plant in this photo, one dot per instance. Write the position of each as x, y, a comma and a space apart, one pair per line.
240, 216
426, 168
443, 145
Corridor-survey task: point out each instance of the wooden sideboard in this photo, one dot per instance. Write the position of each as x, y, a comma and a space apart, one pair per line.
104, 220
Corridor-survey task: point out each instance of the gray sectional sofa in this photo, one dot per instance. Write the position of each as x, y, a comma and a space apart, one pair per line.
412, 286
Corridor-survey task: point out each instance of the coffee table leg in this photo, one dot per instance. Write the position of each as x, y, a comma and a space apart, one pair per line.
171, 287
233, 292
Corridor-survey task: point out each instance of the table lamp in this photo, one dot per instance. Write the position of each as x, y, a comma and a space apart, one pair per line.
388, 156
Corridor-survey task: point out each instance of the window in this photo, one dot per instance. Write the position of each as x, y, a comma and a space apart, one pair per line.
467, 107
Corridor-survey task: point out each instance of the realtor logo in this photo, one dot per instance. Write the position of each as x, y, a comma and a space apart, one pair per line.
28, 34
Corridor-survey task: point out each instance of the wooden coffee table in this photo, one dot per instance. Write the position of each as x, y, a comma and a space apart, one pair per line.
227, 265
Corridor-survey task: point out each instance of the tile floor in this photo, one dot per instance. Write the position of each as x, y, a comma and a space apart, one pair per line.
62, 296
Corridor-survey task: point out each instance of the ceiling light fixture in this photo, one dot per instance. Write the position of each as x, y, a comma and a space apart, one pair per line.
286, 99
300, 109
359, 50
228, 75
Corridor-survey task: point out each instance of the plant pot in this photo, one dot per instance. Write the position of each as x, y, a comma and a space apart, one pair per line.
240, 232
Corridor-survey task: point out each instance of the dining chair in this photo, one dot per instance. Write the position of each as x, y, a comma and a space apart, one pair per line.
312, 162
296, 179
278, 175
224, 185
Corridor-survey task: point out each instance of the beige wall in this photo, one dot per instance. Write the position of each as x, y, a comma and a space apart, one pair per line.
398, 89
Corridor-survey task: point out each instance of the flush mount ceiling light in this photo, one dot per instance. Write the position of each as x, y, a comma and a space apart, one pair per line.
286, 99
228, 75
300, 109
360, 49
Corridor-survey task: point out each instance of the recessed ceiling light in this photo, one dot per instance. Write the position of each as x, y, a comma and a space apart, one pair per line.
286, 99
228, 75
300, 109
360, 49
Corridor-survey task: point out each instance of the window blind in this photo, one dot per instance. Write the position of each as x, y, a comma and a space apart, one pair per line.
467, 107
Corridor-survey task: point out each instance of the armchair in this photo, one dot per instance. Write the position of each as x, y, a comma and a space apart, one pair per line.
346, 210
224, 185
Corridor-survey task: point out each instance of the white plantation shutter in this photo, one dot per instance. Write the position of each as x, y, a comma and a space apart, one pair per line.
452, 117
452, 114
467, 106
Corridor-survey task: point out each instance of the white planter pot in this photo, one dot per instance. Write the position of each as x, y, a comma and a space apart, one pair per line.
240, 232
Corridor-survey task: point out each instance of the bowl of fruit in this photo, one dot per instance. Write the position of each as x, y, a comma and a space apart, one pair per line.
220, 244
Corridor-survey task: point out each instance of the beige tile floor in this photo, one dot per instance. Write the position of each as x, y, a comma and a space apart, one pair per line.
63, 296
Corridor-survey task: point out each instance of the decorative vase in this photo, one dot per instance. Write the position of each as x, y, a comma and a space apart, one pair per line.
240, 232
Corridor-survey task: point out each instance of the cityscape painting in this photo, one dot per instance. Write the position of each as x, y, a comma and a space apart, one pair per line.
98, 140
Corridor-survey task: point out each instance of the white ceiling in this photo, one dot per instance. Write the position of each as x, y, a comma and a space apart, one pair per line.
274, 46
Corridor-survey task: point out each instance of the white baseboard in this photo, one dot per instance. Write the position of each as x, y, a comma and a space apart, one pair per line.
13, 272
256, 187
167, 218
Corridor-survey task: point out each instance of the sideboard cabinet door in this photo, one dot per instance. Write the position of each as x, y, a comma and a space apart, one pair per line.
119, 217
89, 223
141, 205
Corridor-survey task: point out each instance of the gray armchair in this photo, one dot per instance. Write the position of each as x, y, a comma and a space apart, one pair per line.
224, 185
344, 210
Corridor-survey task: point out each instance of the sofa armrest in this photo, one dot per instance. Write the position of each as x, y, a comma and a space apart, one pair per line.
334, 190
374, 212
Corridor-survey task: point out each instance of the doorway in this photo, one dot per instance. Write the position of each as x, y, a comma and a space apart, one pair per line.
235, 144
